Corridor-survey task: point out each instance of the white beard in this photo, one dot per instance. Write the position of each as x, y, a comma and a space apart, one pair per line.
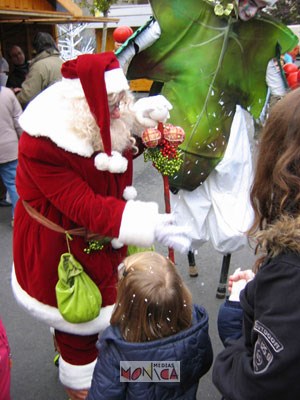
121, 138
85, 127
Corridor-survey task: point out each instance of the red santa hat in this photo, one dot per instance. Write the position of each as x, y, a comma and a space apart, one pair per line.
99, 75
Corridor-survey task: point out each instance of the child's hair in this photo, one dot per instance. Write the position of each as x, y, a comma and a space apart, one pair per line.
152, 301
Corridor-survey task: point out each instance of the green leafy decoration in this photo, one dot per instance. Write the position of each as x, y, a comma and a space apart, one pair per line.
165, 165
208, 64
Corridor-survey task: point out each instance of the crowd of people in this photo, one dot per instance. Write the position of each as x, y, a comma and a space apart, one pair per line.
69, 133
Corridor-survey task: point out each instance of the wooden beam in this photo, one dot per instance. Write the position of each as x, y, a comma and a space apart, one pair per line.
34, 13
53, 20
71, 7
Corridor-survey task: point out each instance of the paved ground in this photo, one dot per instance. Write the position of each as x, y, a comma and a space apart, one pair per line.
34, 377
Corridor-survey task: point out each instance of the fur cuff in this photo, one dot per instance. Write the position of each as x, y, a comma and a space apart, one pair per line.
76, 377
138, 223
116, 163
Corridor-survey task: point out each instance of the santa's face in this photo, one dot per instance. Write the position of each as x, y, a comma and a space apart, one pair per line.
114, 109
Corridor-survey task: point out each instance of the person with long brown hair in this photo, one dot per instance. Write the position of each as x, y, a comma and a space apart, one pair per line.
264, 362
155, 323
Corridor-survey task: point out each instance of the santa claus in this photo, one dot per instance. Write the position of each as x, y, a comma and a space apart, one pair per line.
75, 170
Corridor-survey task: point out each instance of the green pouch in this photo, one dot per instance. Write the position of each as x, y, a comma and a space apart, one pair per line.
131, 249
78, 297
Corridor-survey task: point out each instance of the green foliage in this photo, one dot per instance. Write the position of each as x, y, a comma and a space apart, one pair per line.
97, 5
209, 64
165, 165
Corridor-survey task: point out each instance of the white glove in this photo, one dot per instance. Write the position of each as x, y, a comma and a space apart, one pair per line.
141, 225
151, 110
171, 235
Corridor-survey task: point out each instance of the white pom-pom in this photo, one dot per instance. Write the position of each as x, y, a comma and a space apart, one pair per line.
116, 243
101, 161
115, 163
129, 193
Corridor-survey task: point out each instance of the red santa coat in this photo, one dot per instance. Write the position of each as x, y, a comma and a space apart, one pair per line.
69, 190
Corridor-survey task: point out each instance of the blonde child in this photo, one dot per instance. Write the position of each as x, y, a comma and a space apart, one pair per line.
157, 330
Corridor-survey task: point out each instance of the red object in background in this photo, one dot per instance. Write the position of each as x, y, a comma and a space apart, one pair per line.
122, 33
293, 80
289, 68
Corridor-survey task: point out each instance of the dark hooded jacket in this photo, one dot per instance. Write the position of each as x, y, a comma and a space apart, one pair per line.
264, 364
192, 347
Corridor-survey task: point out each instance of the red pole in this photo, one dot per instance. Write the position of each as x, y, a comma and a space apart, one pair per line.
168, 210
167, 198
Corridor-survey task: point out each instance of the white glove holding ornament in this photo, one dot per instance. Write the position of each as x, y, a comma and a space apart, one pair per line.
151, 110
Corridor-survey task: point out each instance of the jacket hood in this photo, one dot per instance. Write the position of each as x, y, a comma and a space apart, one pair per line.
190, 347
281, 237
44, 54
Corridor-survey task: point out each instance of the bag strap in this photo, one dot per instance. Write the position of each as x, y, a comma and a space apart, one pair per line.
57, 228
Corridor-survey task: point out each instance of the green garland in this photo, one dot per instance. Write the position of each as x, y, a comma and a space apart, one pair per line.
94, 245
164, 164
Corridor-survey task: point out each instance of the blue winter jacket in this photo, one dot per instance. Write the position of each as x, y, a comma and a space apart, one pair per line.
230, 321
192, 347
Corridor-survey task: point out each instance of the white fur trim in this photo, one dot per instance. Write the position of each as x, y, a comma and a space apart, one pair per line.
138, 223
52, 317
76, 377
72, 88
115, 81
49, 115
129, 193
115, 163
116, 243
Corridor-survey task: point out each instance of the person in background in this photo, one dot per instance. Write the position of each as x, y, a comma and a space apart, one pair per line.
5, 364
154, 320
75, 170
264, 362
44, 70
10, 132
20, 68
4, 69
3, 195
